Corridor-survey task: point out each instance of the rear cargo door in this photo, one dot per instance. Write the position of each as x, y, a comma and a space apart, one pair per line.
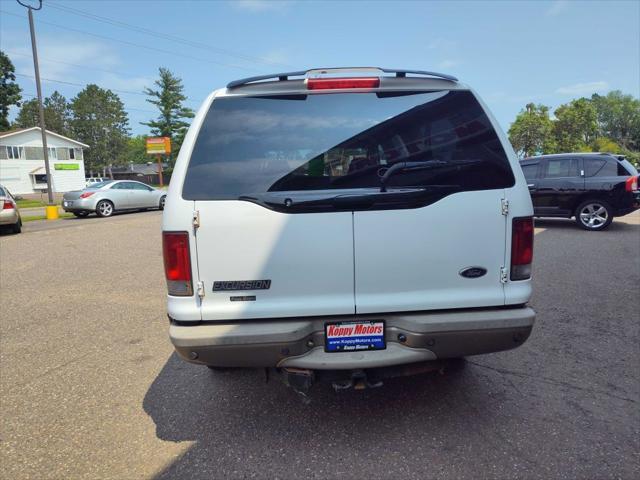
416, 259
256, 263
449, 251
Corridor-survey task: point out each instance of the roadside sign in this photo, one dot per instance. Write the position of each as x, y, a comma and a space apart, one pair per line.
158, 145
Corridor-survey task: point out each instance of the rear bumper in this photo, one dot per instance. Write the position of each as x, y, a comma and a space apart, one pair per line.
630, 204
625, 211
79, 205
9, 216
299, 343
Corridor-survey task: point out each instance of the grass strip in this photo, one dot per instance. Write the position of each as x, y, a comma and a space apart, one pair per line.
33, 218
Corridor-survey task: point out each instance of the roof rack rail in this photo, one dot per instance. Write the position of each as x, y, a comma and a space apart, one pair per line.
279, 76
400, 73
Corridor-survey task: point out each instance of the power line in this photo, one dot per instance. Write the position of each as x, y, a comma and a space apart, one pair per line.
64, 82
125, 42
125, 107
80, 66
162, 35
80, 85
63, 63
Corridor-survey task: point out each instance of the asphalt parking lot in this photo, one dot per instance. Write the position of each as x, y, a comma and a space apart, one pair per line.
90, 386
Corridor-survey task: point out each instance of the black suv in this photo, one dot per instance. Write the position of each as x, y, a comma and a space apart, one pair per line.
592, 187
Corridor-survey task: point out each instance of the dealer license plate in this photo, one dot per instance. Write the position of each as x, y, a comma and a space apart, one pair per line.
354, 336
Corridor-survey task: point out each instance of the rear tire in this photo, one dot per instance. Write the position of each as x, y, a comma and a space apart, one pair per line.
104, 208
81, 214
594, 215
17, 227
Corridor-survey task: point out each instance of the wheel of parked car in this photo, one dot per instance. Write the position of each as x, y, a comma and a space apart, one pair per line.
17, 227
162, 200
104, 208
81, 214
594, 215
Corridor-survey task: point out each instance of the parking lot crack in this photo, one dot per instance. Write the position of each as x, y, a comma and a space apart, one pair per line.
52, 370
553, 381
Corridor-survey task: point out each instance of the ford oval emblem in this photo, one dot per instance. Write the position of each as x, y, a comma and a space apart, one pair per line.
472, 272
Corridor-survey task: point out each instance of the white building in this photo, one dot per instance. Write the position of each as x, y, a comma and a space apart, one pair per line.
22, 168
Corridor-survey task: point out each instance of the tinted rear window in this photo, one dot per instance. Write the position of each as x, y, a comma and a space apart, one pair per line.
252, 145
602, 167
561, 168
626, 168
530, 171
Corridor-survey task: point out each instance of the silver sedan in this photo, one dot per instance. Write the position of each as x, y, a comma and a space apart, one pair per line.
107, 197
9, 214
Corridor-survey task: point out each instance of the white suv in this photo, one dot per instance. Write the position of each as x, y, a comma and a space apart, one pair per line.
318, 222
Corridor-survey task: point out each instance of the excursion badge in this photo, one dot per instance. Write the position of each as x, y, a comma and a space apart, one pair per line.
238, 285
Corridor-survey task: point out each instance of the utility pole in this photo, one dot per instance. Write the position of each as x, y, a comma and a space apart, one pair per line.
160, 180
52, 209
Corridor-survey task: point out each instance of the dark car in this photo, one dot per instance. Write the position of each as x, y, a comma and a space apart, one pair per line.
592, 187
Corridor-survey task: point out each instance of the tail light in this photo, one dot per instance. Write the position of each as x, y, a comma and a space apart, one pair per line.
177, 263
341, 83
8, 204
86, 194
631, 185
521, 248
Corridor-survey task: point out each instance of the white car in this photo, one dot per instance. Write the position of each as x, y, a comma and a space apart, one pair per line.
9, 213
346, 221
92, 181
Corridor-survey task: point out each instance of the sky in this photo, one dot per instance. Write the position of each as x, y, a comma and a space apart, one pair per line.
510, 52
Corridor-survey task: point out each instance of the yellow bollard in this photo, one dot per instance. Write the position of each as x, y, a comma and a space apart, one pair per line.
52, 212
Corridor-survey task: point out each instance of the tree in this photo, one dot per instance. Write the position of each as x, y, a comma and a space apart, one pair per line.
604, 144
532, 131
609, 123
28, 115
618, 117
136, 151
57, 114
576, 126
169, 99
99, 120
9, 90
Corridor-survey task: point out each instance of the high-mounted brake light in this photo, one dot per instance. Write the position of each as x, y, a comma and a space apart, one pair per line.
8, 204
342, 83
177, 263
631, 185
521, 248
86, 194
